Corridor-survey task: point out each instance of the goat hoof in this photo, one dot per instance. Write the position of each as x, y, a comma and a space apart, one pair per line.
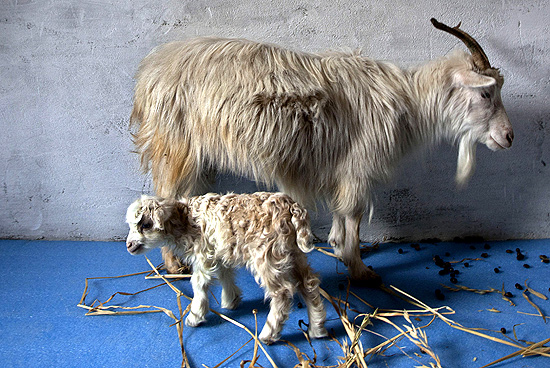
268, 338
194, 321
317, 333
366, 277
233, 304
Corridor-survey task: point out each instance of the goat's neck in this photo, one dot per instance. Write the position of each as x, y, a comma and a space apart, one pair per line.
430, 93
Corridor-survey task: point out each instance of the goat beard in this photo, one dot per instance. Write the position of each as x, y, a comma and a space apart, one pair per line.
466, 161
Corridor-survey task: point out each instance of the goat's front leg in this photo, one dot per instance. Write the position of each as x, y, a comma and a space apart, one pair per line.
351, 254
200, 280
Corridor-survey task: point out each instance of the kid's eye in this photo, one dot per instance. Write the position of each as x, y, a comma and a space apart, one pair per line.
146, 225
485, 95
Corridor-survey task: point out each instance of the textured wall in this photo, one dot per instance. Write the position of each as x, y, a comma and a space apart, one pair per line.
66, 80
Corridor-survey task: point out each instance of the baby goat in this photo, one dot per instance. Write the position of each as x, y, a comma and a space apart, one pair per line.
268, 233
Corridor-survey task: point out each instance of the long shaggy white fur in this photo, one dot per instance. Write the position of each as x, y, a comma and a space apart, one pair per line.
268, 233
318, 126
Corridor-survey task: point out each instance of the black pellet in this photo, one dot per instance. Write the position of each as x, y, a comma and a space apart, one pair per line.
300, 305
525, 265
496, 270
508, 294
400, 251
546, 260
454, 280
520, 257
518, 250
484, 255
503, 330
487, 246
444, 272
466, 264
447, 254
518, 286
439, 295
437, 260
509, 251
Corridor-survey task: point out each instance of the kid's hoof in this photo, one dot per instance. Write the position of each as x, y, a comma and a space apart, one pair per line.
317, 333
233, 304
194, 321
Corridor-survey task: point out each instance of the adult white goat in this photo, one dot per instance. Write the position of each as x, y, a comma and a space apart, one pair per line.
325, 126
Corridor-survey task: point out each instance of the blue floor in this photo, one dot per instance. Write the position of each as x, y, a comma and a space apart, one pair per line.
43, 281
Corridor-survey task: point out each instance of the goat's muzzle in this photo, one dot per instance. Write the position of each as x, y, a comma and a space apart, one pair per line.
503, 138
133, 246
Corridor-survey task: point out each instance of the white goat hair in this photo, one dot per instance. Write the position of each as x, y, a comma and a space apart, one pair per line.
268, 233
326, 127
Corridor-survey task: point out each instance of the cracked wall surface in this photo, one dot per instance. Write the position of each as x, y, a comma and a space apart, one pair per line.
66, 72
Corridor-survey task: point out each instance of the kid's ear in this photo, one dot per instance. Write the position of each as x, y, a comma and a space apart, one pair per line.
161, 211
471, 79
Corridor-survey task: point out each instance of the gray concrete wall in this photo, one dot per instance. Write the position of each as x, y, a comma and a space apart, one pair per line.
66, 80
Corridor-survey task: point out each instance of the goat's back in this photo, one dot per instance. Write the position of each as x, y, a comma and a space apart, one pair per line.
238, 225
302, 121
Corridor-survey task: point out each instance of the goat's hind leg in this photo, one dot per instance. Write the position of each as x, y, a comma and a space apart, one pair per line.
344, 237
231, 294
337, 235
352, 254
279, 309
172, 263
280, 290
308, 286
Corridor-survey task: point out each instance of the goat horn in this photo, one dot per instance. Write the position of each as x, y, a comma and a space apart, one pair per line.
480, 59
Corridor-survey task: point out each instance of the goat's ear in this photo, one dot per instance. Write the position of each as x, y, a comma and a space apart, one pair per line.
471, 79
161, 212
134, 213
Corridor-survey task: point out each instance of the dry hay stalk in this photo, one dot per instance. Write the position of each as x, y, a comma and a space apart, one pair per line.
353, 349
480, 291
533, 349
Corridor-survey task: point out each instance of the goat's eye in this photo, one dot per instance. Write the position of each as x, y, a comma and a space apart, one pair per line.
146, 225
485, 95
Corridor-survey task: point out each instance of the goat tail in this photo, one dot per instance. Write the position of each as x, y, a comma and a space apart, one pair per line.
300, 220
